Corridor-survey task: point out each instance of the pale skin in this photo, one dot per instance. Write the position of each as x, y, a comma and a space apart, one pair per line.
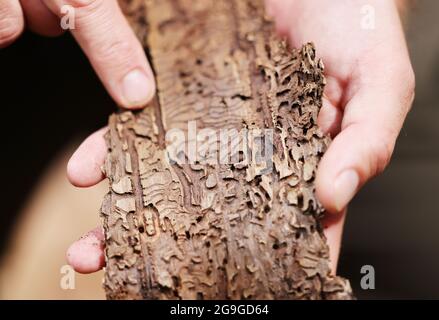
370, 89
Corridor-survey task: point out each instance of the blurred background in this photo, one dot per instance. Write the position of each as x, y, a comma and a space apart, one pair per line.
51, 99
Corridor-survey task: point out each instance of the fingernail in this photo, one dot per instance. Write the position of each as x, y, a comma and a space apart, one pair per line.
345, 187
136, 89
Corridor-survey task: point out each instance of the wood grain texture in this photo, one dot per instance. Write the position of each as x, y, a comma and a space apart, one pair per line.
208, 230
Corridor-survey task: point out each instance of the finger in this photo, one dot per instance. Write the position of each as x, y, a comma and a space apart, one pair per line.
87, 254
40, 19
112, 48
333, 229
85, 166
11, 22
371, 123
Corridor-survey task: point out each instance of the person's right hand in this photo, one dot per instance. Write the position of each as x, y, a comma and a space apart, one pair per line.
102, 32
120, 62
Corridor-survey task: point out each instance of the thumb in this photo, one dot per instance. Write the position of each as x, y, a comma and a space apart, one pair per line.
371, 123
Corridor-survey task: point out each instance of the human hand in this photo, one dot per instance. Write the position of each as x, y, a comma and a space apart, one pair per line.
369, 91
118, 59
370, 85
102, 32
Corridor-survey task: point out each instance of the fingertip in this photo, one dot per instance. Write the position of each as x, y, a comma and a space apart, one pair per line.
350, 161
337, 179
138, 89
87, 254
74, 173
118, 57
83, 172
84, 168
323, 193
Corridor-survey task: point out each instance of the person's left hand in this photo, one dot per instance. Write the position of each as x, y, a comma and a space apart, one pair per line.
369, 91
119, 60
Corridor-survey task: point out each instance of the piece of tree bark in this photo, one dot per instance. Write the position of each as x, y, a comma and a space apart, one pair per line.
218, 231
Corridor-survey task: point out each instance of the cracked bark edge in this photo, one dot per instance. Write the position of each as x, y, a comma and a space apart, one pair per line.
205, 231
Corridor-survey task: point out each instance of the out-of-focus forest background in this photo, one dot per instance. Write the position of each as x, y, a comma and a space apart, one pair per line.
51, 99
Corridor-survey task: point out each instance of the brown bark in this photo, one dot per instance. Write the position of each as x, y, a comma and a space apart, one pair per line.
218, 231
